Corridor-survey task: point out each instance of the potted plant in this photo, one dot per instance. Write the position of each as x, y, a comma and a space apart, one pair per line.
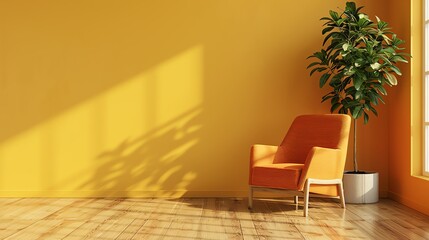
358, 59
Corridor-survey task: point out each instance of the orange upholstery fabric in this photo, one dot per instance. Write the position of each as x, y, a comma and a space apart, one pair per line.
262, 155
268, 175
308, 131
314, 147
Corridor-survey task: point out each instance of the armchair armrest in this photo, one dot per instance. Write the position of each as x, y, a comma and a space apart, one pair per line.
262, 154
322, 163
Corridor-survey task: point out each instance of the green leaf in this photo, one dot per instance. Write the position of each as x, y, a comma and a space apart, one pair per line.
350, 90
380, 88
326, 18
357, 82
334, 100
360, 112
334, 107
313, 64
327, 37
343, 110
326, 97
334, 15
373, 110
311, 56
319, 55
327, 29
358, 94
363, 22
373, 98
396, 70
349, 103
382, 25
340, 21
319, 69
350, 71
391, 78
351, 6
398, 58
396, 41
365, 118
356, 111
378, 19
377, 96
388, 50
366, 106
323, 79
385, 59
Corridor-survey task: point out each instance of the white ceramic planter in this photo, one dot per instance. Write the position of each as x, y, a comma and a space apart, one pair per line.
360, 187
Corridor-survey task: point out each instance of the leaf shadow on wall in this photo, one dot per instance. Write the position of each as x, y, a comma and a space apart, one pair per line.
63, 61
69, 65
144, 165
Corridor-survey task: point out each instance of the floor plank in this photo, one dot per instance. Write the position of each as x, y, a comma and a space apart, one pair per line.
205, 218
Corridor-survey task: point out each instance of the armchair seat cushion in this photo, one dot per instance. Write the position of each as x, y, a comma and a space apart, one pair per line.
278, 175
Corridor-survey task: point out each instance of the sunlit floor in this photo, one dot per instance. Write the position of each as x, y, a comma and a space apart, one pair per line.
205, 218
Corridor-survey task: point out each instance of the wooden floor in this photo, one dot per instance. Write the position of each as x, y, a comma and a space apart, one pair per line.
205, 218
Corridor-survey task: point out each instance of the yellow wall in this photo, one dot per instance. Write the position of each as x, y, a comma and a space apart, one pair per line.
405, 154
156, 98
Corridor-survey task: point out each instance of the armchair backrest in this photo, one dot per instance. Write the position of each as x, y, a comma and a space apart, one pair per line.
307, 131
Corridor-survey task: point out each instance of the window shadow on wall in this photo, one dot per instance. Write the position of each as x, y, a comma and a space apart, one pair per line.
58, 58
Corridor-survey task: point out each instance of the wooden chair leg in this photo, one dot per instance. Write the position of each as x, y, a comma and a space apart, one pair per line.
306, 197
295, 199
341, 192
250, 197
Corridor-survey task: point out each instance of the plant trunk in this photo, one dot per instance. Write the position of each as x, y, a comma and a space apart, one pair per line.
355, 165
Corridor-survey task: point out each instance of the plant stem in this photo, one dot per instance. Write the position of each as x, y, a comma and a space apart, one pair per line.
355, 165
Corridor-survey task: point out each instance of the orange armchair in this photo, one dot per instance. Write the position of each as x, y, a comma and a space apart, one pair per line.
310, 159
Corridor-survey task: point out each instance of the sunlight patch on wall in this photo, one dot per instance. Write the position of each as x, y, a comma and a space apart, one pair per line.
130, 137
